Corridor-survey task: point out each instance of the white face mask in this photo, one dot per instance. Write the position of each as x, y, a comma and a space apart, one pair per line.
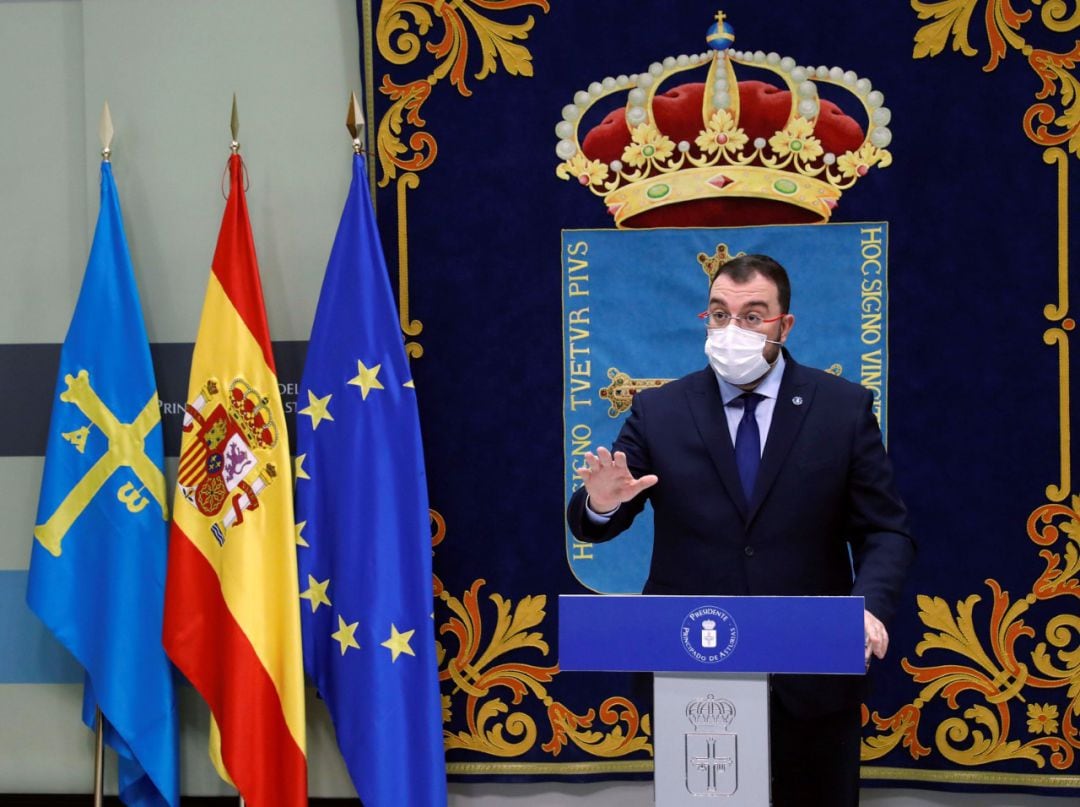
736, 354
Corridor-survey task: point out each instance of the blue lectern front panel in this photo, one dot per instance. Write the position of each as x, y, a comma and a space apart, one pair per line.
711, 634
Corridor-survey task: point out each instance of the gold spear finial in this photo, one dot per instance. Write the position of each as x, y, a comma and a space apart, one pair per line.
354, 122
105, 130
234, 125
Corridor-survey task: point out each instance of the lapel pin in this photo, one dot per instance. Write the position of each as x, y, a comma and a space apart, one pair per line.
797, 400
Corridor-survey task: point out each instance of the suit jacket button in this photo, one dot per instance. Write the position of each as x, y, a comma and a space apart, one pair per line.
749, 550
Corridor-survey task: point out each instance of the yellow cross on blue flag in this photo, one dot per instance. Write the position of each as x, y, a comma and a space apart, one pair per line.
97, 569
363, 529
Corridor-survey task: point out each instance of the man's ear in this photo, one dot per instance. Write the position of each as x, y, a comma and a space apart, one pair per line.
788, 322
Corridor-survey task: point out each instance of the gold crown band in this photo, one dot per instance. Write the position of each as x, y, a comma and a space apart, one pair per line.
723, 182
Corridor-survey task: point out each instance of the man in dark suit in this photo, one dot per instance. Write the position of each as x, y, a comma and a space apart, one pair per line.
762, 473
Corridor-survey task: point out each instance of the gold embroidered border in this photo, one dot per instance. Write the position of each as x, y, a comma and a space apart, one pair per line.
534, 768
410, 327
369, 95
1057, 313
876, 772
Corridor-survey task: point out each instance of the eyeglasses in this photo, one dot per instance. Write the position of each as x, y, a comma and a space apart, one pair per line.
751, 321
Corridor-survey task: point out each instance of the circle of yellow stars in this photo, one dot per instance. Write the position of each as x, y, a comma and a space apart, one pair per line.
318, 409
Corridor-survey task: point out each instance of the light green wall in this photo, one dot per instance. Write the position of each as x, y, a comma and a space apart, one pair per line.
43, 216
168, 69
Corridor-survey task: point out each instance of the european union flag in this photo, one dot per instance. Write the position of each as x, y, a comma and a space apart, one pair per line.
363, 530
97, 570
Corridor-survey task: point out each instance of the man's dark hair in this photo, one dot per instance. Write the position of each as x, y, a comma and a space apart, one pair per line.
744, 267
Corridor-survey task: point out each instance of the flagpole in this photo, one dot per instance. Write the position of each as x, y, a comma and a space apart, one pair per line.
99, 760
354, 122
234, 129
105, 131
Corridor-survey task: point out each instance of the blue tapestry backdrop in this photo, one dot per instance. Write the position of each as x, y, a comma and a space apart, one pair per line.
467, 103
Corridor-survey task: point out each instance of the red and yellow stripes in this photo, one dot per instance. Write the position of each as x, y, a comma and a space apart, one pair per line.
232, 622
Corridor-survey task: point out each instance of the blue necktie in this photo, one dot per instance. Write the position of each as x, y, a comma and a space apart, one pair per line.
748, 443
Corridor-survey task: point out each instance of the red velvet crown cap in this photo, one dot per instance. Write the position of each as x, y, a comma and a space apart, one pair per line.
764, 110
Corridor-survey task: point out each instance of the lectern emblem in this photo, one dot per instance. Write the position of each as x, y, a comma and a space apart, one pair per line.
711, 751
709, 634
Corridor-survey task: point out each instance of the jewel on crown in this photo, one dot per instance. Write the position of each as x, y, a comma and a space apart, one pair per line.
726, 152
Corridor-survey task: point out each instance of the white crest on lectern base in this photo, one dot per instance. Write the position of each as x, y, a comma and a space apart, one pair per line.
711, 751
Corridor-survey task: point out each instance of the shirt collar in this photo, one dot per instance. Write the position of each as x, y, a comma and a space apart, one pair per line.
769, 386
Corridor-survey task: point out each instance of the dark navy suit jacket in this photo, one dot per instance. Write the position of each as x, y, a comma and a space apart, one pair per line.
825, 482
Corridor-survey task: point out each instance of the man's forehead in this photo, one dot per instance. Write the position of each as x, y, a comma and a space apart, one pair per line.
756, 287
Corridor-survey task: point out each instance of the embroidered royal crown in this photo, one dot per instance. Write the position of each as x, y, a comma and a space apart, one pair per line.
729, 151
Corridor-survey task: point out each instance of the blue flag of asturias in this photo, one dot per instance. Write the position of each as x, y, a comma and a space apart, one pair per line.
363, 530
97, 569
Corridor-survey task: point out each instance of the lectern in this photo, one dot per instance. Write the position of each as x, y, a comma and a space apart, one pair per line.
711, 657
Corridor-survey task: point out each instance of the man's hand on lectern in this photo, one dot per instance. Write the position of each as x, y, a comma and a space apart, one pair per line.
877, 638
609, 482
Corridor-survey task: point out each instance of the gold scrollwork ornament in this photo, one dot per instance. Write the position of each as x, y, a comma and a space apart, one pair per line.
487, 672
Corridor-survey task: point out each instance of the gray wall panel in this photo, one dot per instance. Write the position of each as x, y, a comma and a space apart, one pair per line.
43, 216
169, 71
20, 480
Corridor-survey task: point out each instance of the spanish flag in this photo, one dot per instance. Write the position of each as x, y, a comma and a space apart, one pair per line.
231, 621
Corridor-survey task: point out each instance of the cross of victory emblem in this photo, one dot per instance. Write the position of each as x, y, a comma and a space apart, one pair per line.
125, 450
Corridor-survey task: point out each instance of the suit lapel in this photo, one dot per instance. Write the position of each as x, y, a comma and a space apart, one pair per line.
707, 408
793, 401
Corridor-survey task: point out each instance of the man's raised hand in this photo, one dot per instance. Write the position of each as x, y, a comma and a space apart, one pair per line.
609, 482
